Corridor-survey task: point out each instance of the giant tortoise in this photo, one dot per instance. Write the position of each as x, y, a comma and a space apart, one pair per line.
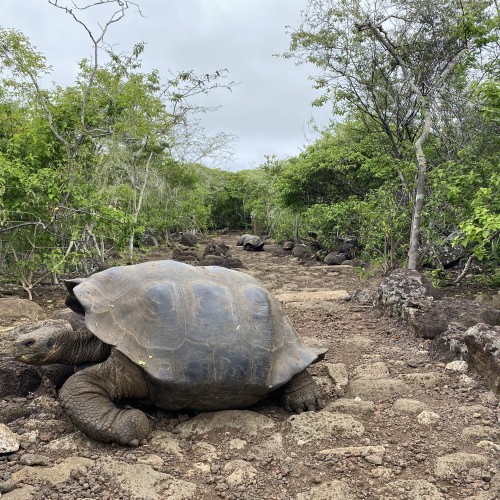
182, 337
250, 242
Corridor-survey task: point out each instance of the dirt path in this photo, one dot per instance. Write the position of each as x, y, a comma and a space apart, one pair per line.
397, 425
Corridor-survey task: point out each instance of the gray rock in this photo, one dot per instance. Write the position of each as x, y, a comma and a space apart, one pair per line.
302, 252
355, 263
418, 489
188, 240
457, 366
6, 486
270, 449
221, 261
427, 379
331, 490
365, 297
240, 472
16, 309
409, 406
241, 422
142, 481
450, 345
371, 371
456, 464
356, 407
56, 474
9, 441
401, 289
492, 494
483, 356
18, 379
354, 451
33, 459
476, 433
335, 258
191, 255
430, 318
428, 418
316, 427
381, 389
216, 248
337, 373
478, 410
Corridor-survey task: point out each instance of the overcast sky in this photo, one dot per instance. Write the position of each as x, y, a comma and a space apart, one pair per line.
268, 111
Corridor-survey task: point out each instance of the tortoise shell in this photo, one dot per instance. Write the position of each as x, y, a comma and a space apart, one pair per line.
206, 337
249, 241
241, 239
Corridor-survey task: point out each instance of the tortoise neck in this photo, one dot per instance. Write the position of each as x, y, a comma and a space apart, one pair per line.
79, 347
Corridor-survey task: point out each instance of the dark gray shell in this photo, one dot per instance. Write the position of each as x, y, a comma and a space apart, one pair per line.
209, 331
241, 239
253, 243
250, 242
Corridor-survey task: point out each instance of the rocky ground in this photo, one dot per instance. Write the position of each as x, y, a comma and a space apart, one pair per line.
397, 425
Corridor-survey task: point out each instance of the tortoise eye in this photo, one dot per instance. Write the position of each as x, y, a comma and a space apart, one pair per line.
29, 343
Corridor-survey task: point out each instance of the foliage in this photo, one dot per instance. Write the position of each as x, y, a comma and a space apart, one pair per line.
90, 169
80, 163
344, 162
394, 65
480, 232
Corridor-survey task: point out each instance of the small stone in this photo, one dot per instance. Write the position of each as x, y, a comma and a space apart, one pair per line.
457, 366
488, 445
6, 486
374, 459
32, 459
428, 418
9, 441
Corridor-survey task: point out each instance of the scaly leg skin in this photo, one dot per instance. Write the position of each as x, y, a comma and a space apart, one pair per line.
87, 399
302, 393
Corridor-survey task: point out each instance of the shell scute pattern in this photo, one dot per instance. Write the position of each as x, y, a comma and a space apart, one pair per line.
194, 328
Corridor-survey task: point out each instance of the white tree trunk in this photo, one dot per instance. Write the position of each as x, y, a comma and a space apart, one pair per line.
419, 193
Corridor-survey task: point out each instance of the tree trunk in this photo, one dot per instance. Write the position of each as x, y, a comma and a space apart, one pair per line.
419, 194
137, 203
439, 82
256, 225
296, 228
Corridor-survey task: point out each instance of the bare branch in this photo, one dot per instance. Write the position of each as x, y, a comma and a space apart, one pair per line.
97, 40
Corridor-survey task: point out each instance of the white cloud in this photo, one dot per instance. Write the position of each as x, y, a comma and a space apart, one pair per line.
270, 108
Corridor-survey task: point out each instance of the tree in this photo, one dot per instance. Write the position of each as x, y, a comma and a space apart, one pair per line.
77, 162
393, 64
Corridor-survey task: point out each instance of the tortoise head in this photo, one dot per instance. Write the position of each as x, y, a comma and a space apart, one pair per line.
43, 346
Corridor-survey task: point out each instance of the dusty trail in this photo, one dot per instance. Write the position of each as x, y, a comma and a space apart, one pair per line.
397, 425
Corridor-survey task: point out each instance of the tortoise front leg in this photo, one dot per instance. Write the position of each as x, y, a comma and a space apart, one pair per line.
87, 399
302, 393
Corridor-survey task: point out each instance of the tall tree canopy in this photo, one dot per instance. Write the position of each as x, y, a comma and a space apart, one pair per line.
402, 67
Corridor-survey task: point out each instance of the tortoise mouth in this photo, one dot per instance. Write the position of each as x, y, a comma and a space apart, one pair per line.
29, 358
22, 358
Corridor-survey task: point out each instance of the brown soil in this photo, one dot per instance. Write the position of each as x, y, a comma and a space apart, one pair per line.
358, 338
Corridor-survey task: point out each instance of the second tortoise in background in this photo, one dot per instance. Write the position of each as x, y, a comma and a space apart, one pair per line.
250, 242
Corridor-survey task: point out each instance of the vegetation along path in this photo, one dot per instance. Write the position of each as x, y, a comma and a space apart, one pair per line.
396, 426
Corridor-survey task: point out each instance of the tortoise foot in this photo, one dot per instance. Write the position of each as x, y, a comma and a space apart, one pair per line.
130, 428
302, 394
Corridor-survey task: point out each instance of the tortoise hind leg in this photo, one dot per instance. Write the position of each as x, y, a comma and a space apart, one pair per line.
87, 399
302, 393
